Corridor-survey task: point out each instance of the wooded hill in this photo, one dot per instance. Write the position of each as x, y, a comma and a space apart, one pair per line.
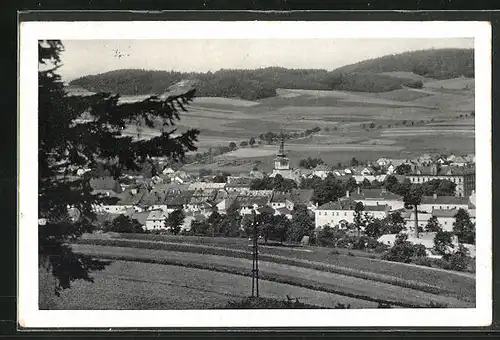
366, 76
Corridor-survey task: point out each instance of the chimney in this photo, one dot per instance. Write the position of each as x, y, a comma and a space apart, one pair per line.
347, 194
435, 196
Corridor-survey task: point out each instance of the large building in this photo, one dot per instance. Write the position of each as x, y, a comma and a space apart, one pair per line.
463, 177
370, 197
342, 211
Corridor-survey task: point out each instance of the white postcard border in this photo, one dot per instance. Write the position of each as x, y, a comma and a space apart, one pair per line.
28, 314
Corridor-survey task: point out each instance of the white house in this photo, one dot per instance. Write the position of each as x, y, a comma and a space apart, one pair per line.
446, 218
382, 162
156, 220
322, 170
333, 213
168, 171
435, 202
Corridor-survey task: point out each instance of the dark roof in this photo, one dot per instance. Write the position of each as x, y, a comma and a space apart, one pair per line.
302, 196
443, 171
444, 212
178, 199
266, 209
445, 200
347, 204
251, 200
375, 194
105, 183
141, 216
280, 197
379, 207
127, 198
284, 211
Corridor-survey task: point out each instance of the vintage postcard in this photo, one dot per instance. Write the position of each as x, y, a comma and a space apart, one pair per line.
254, 174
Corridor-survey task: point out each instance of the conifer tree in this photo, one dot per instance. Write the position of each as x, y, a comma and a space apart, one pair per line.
67, 141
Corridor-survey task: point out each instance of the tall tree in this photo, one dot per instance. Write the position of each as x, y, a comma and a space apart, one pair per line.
302, 224
464, 228
358, 216
66, 140
175, 220
433, 225
412, 200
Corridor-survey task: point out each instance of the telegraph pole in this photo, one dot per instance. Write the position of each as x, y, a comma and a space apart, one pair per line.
255, 259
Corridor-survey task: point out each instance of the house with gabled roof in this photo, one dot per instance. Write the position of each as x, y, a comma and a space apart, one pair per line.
376, 197
342, 211
445, 217
283, 212
435, 202
248, 204
156, 220
322, 170
463, 177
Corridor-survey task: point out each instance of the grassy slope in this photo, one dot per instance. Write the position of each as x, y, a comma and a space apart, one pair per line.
149, 286
452, 284
283, 273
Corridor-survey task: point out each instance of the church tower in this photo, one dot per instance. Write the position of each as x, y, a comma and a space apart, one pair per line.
282, 162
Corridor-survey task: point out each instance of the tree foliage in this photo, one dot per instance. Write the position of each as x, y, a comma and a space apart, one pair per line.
123, 224
175, 220
464, 228
310, 163
404, 251
302, 224
67, 141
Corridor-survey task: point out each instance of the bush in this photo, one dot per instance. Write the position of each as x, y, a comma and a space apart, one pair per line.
404, 251
253, 302
423, 261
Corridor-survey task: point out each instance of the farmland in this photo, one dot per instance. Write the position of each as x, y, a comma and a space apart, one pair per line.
335, 284
234, 251
406, 122
149, 286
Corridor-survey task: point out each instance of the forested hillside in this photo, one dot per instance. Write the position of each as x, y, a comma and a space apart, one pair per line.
438, 64
263, 82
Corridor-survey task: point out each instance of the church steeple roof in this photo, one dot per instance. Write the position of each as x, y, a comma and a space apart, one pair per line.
281, 151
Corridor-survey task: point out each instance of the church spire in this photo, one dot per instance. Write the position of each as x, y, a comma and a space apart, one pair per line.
282, 144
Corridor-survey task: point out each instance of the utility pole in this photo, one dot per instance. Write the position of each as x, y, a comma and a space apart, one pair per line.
255, 259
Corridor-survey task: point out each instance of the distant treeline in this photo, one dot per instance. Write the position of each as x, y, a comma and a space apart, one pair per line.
263, 82
444, 63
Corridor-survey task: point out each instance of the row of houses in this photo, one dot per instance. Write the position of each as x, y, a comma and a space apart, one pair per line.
379, 203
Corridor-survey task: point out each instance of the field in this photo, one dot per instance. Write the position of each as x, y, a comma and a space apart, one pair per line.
362, 265
406, 122
149, 286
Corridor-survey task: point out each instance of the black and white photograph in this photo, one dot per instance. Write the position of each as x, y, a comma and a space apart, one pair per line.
254, 174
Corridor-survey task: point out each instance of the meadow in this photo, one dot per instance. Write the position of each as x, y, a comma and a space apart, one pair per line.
362, 265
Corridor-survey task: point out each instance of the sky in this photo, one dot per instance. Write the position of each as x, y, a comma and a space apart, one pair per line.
85, 57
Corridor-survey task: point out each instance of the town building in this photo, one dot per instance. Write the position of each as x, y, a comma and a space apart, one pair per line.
435, 202
342, 211
156, 220
370, 197
463, 177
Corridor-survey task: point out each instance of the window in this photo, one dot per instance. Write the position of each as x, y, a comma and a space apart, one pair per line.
445, 222
440, 207
345, 214
337, 213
